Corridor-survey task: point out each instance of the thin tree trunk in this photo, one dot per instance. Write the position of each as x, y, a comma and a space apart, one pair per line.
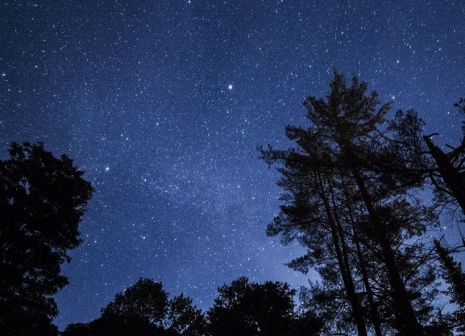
405, 314
357, 311
373, 310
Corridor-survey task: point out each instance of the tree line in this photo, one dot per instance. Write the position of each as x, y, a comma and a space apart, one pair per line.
43, 199
241, 308
353, 196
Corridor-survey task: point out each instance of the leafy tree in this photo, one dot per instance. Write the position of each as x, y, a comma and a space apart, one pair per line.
349, 201
77, 329
115, 325
42, 201
144, 309
183, 318
244, 308
145, 299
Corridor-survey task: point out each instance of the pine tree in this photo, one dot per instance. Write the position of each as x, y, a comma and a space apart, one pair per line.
455, 278
348, 202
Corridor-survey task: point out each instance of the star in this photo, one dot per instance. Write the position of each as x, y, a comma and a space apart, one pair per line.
148, 111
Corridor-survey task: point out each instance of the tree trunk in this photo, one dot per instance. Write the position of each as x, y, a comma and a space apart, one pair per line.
373, 310
405, 314
357, 310
451, 176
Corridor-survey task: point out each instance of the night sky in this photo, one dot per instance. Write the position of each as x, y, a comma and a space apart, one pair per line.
163, 104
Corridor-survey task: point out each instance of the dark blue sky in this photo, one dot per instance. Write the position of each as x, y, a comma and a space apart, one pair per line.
163, 103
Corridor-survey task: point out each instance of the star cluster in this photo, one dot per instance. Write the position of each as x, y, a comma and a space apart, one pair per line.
163, 103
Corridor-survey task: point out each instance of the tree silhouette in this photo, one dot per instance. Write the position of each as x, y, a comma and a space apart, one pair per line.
455, 278
244, 308
349, 201
144, 309
42, 201
183, 318
145, 299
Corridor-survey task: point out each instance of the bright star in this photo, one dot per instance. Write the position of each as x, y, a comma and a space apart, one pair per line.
230, 87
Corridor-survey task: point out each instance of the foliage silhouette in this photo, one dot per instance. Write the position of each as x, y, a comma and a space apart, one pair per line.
144, 309
42, 201
348, 199
455, 278
244, 308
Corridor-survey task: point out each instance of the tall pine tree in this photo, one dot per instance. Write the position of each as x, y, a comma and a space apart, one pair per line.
348, 200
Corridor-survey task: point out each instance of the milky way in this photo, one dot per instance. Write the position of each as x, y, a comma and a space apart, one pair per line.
163, 104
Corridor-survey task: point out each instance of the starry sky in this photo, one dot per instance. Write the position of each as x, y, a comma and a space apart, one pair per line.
163, 104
